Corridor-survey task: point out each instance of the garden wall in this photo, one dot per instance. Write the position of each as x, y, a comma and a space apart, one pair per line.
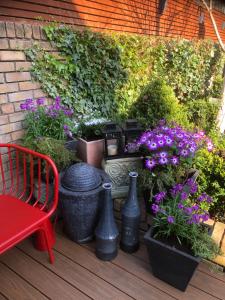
180, 18
15, 79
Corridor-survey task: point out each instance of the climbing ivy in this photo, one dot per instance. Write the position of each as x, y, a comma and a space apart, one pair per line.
105, 74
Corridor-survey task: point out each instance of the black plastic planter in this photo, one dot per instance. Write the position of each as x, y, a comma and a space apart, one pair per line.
170, 264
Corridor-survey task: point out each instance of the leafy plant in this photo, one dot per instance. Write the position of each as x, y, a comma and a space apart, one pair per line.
203, 113
53, 148
107, 73
42, 120
91, 130
169, 154
156, 102
179, 216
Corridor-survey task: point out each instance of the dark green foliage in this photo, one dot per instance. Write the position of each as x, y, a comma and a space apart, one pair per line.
53, 148
203, 113
156, 102
211, 180
106, 73
89, 73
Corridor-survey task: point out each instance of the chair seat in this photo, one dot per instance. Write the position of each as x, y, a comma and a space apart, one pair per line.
18, 219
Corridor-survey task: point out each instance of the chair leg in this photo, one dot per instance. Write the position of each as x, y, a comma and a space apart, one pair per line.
50, 239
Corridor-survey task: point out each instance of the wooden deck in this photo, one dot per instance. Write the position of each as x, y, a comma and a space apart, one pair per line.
26, 274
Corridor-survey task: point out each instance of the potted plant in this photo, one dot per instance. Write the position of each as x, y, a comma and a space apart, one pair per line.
168, 153
178, 237
90, 146
47, 130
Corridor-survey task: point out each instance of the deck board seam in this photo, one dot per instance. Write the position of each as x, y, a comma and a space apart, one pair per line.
63, 254
11, 269
54, 273
4, 296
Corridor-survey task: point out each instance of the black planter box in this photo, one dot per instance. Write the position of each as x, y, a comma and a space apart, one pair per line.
170, 264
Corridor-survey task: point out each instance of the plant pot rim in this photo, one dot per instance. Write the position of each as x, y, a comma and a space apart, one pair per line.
148, 237
94, 141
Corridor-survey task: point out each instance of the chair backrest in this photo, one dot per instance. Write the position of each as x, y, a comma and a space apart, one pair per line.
21, 176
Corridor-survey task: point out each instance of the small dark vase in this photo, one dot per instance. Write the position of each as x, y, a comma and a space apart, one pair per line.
106, 231
131, 218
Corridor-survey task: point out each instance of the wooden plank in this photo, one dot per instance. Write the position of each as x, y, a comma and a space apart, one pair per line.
14, 287
119, 278
84, 280
204, 281
41, 278
141, 269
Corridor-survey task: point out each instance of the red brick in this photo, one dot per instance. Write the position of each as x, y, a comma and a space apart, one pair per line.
19, 30
8, 88
17, 76
46, 45
28, 85
4, 44
28, 31
39, 93
36, 32
17, 135
18, 116
17, 106
10, 29
2, 29
4, 120
2, 78
23, 66
19, 96
5, 138
7, 108
19, 44
3, 98
12, 55
7, 66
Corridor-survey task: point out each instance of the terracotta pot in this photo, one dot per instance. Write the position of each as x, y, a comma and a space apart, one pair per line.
91, 152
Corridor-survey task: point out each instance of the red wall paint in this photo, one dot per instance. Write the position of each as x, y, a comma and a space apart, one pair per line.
180, 18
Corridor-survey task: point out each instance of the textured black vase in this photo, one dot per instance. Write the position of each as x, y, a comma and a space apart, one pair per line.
106, 232
131, 215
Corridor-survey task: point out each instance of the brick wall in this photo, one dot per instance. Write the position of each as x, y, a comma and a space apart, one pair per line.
15, 79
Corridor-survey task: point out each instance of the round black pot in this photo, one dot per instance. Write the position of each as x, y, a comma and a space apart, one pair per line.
170, 264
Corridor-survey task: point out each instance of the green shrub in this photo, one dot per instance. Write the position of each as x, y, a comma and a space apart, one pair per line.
211, 180
106, 73
54, 148
156, 102
203, 113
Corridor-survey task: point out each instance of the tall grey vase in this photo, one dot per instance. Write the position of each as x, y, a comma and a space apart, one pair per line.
131, 215
106, 231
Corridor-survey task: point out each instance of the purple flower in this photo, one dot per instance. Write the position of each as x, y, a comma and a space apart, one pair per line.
159, 197
180, 205
184, 152
58, 99
177, 188
204, 217
188, 210
40, 101
152, 145
210, 146
23, 106
163, 154
66, 127
170, 219
195, 207
150, 163
163, 161
161, 142
169, 141
174, 160
155, 208
183, 196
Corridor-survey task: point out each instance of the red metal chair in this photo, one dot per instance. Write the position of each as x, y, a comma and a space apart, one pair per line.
22, 214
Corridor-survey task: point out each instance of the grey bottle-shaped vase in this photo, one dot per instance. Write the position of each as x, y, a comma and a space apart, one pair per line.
131, 215
106, 231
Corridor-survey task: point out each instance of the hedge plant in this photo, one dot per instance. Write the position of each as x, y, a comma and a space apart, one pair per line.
107, 73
